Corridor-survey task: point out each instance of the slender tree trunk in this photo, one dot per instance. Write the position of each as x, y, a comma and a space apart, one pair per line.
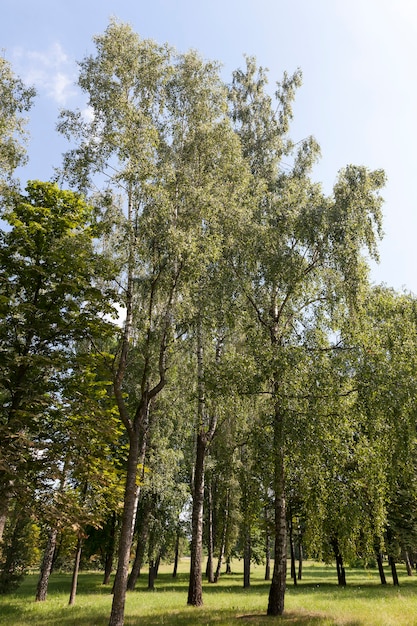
210, 542
108, 563
278, 584
292, 550
381, 568
177, 551
223, 540
228, 566
195, 589
407, 563
300, 561
267, 547
394, 574
151, 575
143, 533
126, 533
76, 569
341, 574
247, 554
46, 569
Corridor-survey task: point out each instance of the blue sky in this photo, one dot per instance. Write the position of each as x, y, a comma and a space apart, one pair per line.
359, 93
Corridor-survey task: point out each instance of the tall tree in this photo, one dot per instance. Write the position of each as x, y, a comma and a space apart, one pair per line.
160, 135
302, 257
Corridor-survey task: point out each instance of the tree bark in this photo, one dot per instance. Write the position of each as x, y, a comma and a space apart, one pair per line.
223, 541
300, 561
381, 569
267, 547
108, 562
46, 569
394, 573
210, 541
247, 554
143, 524
126, 533
407, 563
177, 551
76, 569
151, 575
292, 550
278, 584
195, 589
341, 574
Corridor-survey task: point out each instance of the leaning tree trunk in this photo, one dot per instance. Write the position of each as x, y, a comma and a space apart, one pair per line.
381, 568
46, 569
394, 573
76, 569
278, 584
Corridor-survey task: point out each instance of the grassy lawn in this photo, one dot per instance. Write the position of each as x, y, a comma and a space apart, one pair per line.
316, 601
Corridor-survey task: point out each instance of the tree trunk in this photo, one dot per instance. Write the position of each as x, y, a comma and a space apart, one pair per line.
278, 584
292, 550
143, 534
407, 563
195, 588
228, 566
177, 551
46, 569
267, 547
341, 574
126, 532
151, 575
108, 562
247, 554
394, 574
300, 561
210, 541
76, 569
223, 540
381, 569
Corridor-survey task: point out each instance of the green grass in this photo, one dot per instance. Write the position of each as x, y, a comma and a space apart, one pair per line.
316, 601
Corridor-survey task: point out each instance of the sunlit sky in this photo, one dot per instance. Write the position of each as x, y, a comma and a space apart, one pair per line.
358, 99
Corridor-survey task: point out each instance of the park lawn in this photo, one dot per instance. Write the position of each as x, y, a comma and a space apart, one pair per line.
316, 601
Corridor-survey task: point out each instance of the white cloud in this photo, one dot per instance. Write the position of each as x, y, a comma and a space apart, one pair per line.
51, 71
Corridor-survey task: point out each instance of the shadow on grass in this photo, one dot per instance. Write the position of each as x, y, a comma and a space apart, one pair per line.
320, 581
